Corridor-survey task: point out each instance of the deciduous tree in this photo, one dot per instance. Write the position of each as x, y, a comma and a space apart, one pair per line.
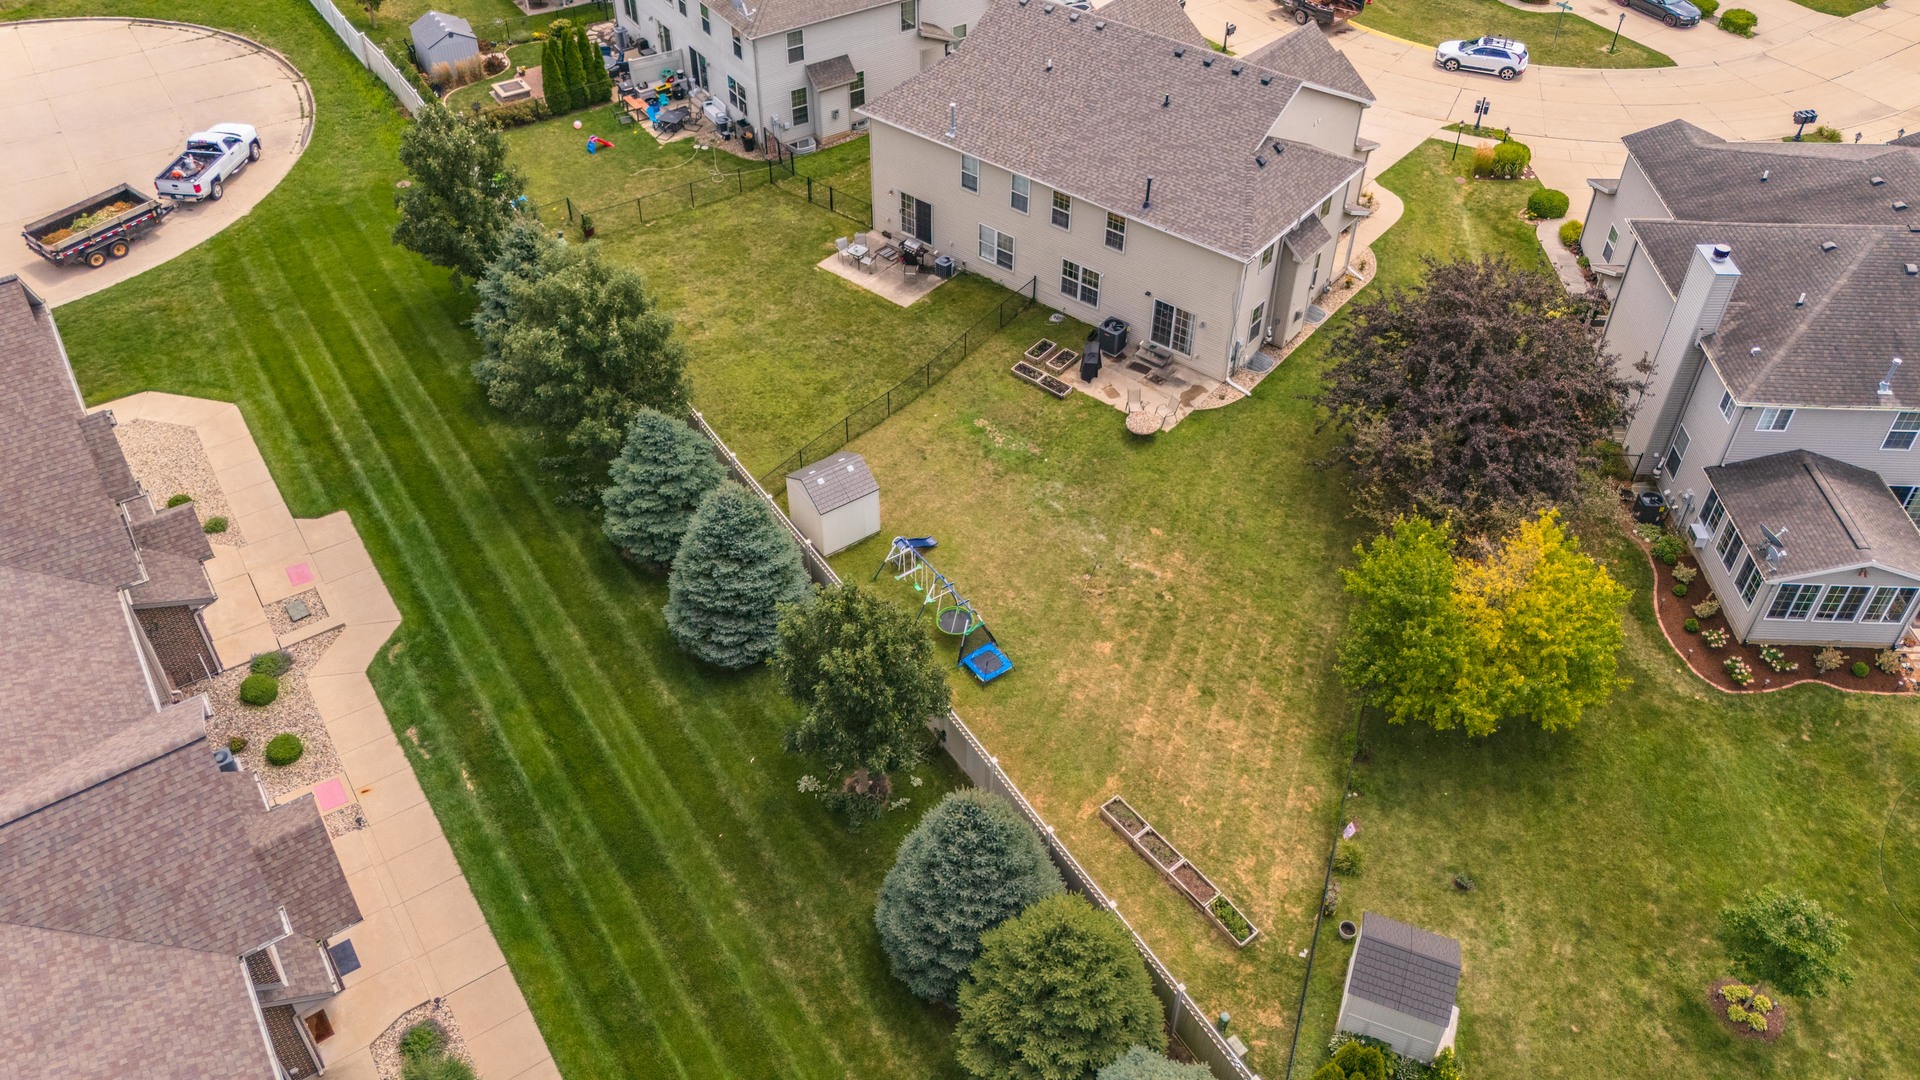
1140, 1063
460, 201
735, 568
1477, 394
970, 864
1058, 992
1406, 651
1788, 940
655, 484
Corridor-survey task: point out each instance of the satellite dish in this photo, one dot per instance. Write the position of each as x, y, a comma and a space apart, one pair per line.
1776, 545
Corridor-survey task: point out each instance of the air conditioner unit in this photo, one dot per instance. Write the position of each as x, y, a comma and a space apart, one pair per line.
1702, 536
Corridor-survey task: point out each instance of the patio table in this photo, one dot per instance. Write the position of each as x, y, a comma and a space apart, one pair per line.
858, 251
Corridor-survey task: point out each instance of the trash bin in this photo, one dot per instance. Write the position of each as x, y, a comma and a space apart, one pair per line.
943, 266
1649, 508
1090, 361
746, 137
1113, 336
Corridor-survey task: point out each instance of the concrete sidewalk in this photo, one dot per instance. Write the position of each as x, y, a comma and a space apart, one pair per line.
423, 936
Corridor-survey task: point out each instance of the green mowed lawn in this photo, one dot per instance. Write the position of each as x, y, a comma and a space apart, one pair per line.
669, 903
1578, 44
1841, 8
1171, 607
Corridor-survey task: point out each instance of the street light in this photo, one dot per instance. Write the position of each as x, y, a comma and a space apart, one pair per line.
1616, 34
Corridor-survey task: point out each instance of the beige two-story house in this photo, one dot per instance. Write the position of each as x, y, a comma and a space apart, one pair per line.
1203, 199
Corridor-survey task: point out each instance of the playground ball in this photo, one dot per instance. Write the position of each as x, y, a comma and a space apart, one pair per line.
576, 125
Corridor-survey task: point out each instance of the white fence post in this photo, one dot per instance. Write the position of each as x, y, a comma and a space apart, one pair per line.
371, 57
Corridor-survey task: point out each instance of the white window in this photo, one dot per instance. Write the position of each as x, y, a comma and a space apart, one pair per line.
800, 110
910, 15
1726, 405
1020, 192
706, 20
1888, 605
1748, 581
1256, 325
1266, 257
1910, 498
1116, 232
1079, 282
1729, 548
1901, 435
969, 172
857, 91
1842, 603
796, 46
1063, 210
738, 53
736, 96
1793, 601
633, 10
1774, 420
1712, 512
1172, 328
996, 247
1677, 451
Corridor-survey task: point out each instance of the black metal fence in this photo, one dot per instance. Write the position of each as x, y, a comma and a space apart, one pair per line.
522, 28
776, 172
868, 416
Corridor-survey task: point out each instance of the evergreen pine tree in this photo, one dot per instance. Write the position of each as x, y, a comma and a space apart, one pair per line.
1140, 1063
664, 469
735, 566
556, 60
968, 866
597, 82
579, 71
525, 248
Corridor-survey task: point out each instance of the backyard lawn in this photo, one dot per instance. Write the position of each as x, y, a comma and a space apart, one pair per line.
1579, 44
669, 902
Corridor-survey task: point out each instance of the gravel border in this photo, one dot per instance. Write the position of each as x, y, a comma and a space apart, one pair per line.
168, 459
282, 625
292, 711
342, 820
386, 1048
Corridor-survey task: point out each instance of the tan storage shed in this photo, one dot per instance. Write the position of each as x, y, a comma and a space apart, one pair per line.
1400, 987
834, 502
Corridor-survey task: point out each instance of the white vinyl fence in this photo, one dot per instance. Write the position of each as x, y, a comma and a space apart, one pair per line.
370, 56
1184, 1017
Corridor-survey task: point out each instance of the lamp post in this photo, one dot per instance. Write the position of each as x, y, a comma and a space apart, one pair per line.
1480, 109
1616, 34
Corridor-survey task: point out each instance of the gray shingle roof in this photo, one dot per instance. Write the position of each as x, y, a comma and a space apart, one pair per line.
833, 482
766, 17
1168, 18
296, 858
1836, 515
1862, 309
1702, 177
827, 74
1405, 968
439, 24
1306, 54
1144, 106
1308, 237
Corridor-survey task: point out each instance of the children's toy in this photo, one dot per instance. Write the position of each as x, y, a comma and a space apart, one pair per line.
952, 612
595, 144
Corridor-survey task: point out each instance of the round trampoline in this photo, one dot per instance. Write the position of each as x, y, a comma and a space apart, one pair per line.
956, 620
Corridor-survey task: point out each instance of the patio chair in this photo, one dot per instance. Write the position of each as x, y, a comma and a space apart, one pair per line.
1133, 400
866, 263
840, 244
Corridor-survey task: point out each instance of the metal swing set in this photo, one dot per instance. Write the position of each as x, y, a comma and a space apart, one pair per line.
952, 613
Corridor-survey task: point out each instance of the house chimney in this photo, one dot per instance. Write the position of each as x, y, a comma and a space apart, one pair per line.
953, 119
1886, 384
1147, 203
1705, 290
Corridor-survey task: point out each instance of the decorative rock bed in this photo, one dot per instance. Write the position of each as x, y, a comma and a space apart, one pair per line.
1222, 912
386, 1048
293, 711
280, 613
168, 460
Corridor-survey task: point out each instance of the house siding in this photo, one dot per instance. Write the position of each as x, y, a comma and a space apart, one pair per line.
1634, 198
1409, 1036
1852, 435
1747, 622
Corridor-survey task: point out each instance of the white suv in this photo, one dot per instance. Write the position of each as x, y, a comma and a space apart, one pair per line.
1495, 56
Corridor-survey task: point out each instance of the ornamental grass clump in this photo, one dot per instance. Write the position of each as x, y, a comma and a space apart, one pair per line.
275, 663
1829, 659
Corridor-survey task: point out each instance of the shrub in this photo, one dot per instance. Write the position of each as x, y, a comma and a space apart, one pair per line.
1762, 1003
1680, 588
1739, 21
1348, 858
1736, 1013
1707, 7
1547, 203
1707, 608
1691, 626
663, 470
1738, 670
178, 498
1140, 1063
236, 744
1829, 659
1648, 532
1445, 1067
518, 113
1230, 916
1584, 262
970, 864
1776, 658
1888, 661
1570, 234
1786, 939
275, 663
1823, 133
1330, 900
1354, 1061
422, 1039
1715, 639
259, 689
1685, 574
1756, 1019
284, 749
1860, 669
1056, 992
735, 567
1736, 993
586, 225
1510, 160
1668, 548
214, 525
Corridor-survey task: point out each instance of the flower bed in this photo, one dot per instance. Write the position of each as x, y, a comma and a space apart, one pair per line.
1733, 1002
1026, 372
1223, 913
1038, 350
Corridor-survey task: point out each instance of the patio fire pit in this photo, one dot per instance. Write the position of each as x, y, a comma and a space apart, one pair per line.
1143, 422
511, 90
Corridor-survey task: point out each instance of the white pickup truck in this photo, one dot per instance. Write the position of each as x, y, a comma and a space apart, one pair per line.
212, 157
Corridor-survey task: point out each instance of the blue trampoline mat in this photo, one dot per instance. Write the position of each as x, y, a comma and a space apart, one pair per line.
987, 662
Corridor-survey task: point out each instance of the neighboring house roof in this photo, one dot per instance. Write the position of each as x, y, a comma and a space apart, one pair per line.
296, 858
1836, 515
1307, 55
435, 25
755, 20
1308, 237
1906, 140
1702, 177
1145, 105
1405, 968
827, 74
1168, 18
1826, 324
834, 482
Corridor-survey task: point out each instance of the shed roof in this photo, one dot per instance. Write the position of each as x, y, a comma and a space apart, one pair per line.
1405, 968
1836, 515
834, 482
439, 24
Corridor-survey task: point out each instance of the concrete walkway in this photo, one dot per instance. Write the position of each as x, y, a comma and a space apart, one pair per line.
423, 936
89, 103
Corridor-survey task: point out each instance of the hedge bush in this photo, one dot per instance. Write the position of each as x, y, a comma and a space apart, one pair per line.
1860, 669
275, 663
1707, 7
1140, 1063
259, 689
213, 525
1510, 160
178, 498
1692, 625
1739, 21
1669, 548
1548, 203
1570, 231
1680, 588
236, 744
519, 113
284, 749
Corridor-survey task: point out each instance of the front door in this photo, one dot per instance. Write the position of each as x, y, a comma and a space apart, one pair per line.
923, 221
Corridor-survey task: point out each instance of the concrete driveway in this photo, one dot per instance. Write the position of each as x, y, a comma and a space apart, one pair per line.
88, 103
1861, 73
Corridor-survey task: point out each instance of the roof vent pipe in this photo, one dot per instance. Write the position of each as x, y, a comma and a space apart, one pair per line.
1764, 173
953, 119
1886, 384
1166, 101
1147, 203
1049, 63
1802, 302
1721, 253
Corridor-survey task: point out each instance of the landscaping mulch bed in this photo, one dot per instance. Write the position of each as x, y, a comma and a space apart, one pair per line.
386, 1048
168, 459
1776, 1018
292, 711
1710, 664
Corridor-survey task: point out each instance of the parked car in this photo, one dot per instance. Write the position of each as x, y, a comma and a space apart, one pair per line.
1671, 12
212, 157
1495, 56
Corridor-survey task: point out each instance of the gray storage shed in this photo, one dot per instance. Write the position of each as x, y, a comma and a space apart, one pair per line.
834, 502
439, 38
1400, 987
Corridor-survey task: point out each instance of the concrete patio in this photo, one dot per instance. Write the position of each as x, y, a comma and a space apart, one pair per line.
896, 281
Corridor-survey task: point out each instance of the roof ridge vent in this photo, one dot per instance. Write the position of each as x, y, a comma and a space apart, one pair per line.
1828, 245
1876, 181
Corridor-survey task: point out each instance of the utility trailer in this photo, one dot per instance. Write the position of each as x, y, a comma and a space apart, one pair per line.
96, 227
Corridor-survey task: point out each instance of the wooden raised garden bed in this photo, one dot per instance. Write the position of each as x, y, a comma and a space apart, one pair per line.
1061, 360
1183, 875
1026, 372
1038, 350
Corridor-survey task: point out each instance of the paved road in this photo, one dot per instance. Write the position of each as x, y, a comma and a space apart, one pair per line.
1861, 73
